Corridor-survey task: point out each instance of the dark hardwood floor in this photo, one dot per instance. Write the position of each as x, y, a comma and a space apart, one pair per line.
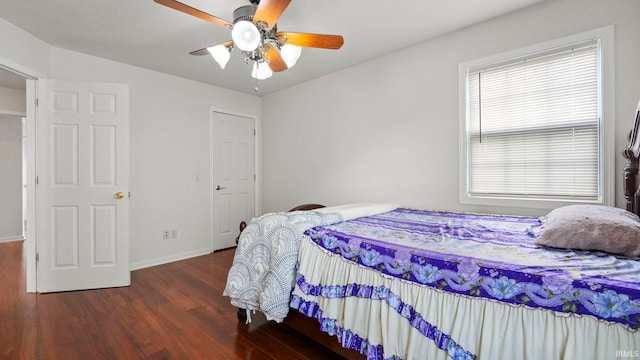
171, 311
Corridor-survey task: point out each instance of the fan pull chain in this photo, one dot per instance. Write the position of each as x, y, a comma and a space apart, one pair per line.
256, 87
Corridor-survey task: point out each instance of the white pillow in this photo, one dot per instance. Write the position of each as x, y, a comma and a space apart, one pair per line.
592, 227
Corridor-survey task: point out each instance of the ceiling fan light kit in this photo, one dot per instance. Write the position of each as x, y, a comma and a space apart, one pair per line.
255, 33
221, 54
261, 70
246, 36
290, 54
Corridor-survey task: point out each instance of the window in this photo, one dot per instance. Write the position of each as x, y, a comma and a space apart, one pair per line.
533, 127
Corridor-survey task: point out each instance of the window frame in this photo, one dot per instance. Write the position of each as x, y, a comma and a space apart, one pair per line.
606, 169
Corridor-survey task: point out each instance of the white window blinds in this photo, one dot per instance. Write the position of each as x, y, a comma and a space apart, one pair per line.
533, 126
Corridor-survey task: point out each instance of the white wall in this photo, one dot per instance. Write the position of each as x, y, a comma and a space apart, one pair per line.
169, 121
22, 51
169, 132
10, 177
387, 130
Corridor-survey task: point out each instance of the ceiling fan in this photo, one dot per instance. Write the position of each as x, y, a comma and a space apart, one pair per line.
254, 32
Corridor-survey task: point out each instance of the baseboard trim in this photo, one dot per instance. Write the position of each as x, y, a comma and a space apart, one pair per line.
11, 238
168, 259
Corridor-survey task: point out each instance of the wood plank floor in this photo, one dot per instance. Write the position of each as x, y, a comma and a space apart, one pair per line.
171, 311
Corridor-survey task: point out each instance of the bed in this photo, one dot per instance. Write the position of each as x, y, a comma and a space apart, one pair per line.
399, 283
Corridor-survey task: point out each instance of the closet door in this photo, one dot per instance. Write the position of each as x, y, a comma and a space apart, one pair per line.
233, 178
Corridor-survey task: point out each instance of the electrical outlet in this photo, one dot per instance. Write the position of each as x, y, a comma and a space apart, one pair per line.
166, 234
174, 233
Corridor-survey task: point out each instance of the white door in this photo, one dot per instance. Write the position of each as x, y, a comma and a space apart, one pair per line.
233, 180
82, 170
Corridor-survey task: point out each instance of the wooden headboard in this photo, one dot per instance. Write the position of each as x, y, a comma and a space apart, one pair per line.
631, 178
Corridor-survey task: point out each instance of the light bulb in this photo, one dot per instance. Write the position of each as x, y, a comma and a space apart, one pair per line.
261, 70
290, 54
245, 35
220, 54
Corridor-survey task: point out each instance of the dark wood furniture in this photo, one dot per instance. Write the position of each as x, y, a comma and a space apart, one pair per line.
302, 207
306, 207
631, 178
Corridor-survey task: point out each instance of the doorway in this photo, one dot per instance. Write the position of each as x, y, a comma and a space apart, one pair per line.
12, 202
12, 111
17, 99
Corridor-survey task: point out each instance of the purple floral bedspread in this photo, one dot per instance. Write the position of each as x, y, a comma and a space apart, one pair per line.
490, 256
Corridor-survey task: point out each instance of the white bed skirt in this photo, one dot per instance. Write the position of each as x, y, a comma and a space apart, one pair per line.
486, 328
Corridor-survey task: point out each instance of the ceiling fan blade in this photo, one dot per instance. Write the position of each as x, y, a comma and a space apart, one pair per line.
205, 51
276, 63
176, 5
333, 42
269, 11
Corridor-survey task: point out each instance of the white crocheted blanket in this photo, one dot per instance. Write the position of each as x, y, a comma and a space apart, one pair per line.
263, 271
262, 274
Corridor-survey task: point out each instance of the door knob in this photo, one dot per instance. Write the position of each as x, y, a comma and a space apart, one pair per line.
220, 187
118, 195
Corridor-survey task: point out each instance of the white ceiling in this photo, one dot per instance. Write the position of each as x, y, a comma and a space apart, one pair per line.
146, 34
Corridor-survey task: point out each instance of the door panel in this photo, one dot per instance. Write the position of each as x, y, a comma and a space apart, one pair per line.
104, 234
233, 180
82, 162
65, 155
65, 237
103, 161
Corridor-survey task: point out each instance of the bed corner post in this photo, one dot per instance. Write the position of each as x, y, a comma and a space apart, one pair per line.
242, 315
632, 153
630, 173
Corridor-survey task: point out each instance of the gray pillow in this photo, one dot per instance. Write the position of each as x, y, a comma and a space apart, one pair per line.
592, 227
